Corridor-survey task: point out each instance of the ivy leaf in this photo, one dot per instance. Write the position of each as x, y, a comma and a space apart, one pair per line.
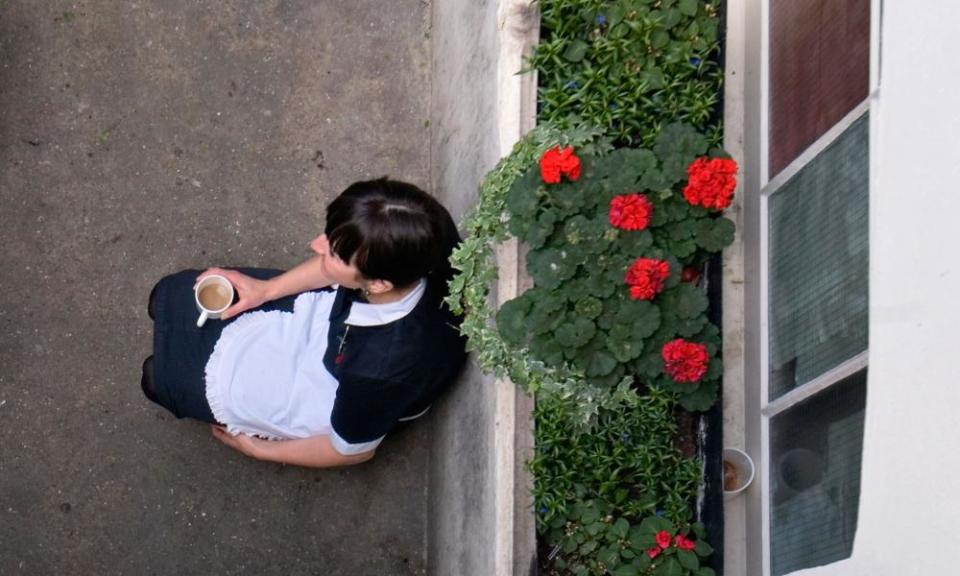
684, 300
677, 146
576, 51
714, 234
512, 320
575, 333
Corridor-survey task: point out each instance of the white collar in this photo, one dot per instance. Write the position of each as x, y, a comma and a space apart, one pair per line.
363, 314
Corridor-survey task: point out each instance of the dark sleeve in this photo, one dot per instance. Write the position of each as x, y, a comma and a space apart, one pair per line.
366, 409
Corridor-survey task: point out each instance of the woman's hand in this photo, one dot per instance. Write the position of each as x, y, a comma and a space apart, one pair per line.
242, 443
251, 292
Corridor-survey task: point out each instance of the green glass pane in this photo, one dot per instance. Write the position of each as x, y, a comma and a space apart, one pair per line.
818, 263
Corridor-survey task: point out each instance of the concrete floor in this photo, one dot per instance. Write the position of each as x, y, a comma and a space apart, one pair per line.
139, 138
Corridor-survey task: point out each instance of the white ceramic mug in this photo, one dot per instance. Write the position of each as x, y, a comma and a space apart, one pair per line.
217, 294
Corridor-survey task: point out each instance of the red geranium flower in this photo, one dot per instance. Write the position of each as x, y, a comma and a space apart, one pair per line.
684, 361
559, 161
653, 552
711, 182
630, 212
684, 543
663, 539
646, 277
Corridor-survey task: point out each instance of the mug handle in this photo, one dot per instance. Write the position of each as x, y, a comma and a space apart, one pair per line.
203, 318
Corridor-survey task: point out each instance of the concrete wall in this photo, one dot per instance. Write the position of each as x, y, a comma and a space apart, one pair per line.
479, 518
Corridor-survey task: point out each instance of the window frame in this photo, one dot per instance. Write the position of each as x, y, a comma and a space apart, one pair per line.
765, 186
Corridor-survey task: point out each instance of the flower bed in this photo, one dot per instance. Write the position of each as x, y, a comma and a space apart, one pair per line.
618, 195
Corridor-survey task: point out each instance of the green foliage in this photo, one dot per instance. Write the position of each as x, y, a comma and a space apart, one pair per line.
628, 65
579, 313
476, 269
600, 495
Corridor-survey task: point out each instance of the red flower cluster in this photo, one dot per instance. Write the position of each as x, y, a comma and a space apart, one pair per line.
630, 212
663, 539
685, 361
711, 182
684, 543
646, 277
559, 161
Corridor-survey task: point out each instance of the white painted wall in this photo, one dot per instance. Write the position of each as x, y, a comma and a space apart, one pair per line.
910, 492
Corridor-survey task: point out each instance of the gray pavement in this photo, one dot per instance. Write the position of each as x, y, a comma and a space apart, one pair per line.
139, 138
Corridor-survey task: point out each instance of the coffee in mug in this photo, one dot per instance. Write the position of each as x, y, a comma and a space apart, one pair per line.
213, 295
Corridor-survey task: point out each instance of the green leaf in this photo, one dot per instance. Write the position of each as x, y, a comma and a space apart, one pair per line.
549, 267
512, 320
715, 234
599, 363
590, 307
521, 200
576, 332
575, 51
626, 570
546, 312
703, 549
688, 7
701, 399
634, 242
620, 527
610, 555
706, 571
677, 146
643, 317
684, 301
669, 567
688, 559
538, 231
622, 343
699, 530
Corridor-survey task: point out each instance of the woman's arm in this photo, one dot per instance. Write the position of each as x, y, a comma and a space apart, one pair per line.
313, 452
251, 292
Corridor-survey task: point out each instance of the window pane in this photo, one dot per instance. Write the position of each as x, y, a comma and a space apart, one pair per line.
818, 264
819, 70
815, 450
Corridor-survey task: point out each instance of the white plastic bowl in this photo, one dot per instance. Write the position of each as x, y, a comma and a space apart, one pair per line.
743, 464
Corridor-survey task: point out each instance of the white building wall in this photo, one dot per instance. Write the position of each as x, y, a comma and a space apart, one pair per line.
910, 493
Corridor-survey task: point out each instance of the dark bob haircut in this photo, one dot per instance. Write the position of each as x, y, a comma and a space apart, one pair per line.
392, 231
